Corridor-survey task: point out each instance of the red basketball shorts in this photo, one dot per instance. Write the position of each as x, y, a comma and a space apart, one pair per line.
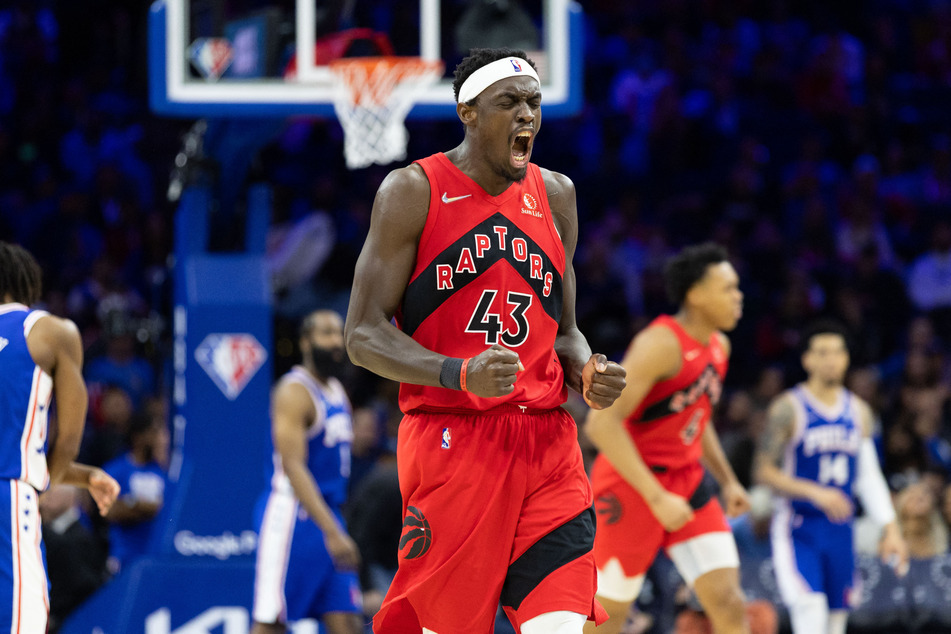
496, 506
629, 532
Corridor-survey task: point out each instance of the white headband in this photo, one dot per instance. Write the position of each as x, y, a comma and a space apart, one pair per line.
481, 79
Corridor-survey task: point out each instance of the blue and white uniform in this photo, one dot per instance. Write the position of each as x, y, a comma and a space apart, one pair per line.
811, 553
295, 577
25, 392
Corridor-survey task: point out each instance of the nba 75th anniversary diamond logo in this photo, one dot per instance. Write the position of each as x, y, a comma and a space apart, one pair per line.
230, 360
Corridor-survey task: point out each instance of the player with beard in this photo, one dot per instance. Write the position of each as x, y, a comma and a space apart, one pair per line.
306, 564
470, 250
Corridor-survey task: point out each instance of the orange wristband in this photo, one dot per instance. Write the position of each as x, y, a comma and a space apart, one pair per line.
462, 374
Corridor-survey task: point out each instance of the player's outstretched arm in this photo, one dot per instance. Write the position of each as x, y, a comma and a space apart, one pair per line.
597, 379
769, 460
291, 411
653, 356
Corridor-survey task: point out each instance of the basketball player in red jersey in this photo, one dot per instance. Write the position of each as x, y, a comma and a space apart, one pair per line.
471, 252
648, 478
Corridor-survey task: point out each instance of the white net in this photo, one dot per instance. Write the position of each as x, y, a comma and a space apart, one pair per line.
372, 96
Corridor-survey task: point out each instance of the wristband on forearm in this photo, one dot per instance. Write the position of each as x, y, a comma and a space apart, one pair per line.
450, 375
462, 374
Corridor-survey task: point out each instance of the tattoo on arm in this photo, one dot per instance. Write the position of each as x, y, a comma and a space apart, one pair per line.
779, 427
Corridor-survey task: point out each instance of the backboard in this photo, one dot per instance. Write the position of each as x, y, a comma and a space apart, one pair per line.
245, 58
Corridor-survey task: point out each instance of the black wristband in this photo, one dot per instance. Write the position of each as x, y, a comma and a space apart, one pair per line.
451, 373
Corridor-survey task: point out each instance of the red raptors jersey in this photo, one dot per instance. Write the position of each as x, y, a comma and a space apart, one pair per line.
669, 422
488, 270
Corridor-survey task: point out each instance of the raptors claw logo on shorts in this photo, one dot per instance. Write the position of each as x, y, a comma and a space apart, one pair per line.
609, 507
416, 533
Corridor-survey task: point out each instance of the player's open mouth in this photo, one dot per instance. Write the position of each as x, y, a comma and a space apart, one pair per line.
521, 147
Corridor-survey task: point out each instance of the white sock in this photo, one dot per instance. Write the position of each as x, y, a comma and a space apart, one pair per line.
810, 614
838, 620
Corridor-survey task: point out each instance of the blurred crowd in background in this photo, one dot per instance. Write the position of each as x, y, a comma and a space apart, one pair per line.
811, 138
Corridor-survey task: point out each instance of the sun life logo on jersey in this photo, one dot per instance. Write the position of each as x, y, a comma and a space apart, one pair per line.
530, 205
231, 360
3, 343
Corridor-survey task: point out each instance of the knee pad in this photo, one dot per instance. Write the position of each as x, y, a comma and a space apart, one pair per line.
560, 622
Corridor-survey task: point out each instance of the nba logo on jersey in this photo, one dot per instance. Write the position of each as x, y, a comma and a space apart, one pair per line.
231, 360
516, 65
446, 438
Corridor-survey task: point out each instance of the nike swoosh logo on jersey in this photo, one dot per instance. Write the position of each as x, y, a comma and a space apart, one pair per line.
690, 356
446, 199
3, 343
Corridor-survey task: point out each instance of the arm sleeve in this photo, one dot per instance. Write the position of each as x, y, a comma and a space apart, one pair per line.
870, 485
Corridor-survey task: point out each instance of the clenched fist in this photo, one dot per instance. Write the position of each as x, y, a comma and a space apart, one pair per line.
493, 372
602, 381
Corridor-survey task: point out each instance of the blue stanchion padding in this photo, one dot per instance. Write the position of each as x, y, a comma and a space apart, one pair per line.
156, 596
199, 574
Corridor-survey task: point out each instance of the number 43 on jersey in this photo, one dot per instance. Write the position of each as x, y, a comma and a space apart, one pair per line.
486, 321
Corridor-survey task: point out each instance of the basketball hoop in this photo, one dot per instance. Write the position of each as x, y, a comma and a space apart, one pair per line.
372, 96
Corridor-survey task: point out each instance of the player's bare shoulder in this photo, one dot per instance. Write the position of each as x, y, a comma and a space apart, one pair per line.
656, 349
290, 397
661, 337
784, 399
781, 414
780, 424
561, 200
402, 201
51, 336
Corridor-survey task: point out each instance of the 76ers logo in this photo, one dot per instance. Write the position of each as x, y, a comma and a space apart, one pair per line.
416, 533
